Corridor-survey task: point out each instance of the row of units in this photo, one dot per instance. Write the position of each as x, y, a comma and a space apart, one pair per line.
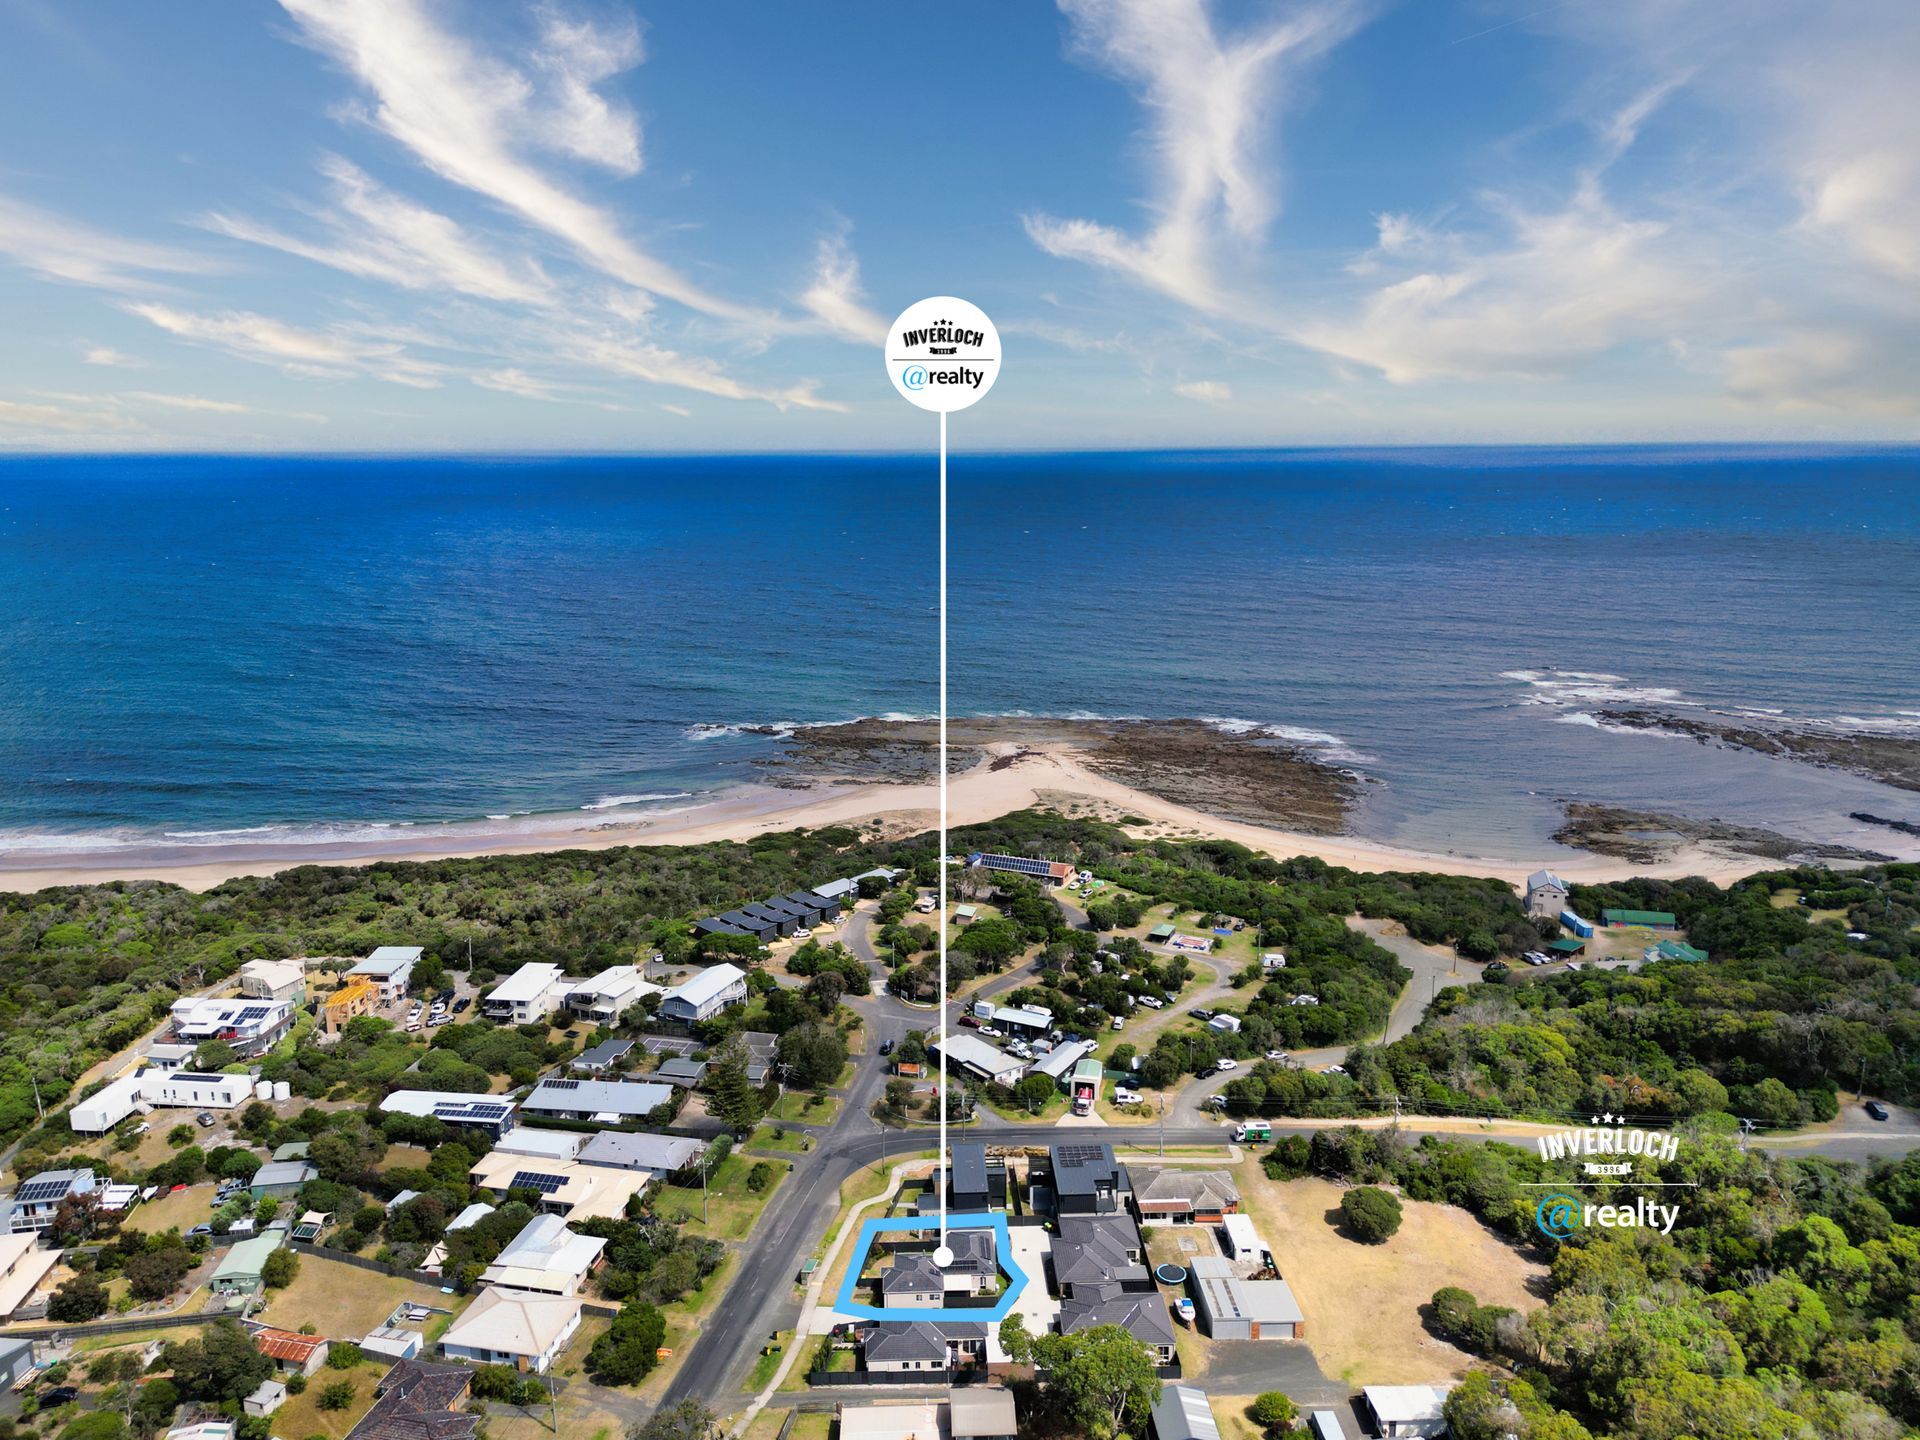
772, 919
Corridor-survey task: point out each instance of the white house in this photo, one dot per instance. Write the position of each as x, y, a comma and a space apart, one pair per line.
513, 1327
611, 1102
545, 1257
533, 992
975, 1056
106, 1107
37, 1199
250, 1026
470, 1109
705, 995
1407, 1409
608, 995
390, 968
23, 1265
564, 1188
1546, 895
195, 1089
273, 980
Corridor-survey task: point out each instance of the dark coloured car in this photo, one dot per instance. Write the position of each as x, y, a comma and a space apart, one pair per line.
886, 1047
1876, 1110
1200, 1014
59, 1395
462, 1003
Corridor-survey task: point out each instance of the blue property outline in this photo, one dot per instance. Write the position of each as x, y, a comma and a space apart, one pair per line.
845, 1304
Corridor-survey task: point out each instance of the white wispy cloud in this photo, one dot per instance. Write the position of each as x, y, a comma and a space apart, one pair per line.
1208, 392
296, 349
1211, 99
384, 236
512, 381
30, 420
472, 118
834, 297
58, 247
108, 356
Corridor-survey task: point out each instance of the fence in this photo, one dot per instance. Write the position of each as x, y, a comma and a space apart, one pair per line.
119, 1325
971, 1375
361, 1262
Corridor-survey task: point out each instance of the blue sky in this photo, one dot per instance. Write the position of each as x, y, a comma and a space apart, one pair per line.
417, 224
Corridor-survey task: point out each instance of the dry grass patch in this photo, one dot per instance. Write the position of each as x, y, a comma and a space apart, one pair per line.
1362, 1302
302, 1415
344, 1302
182, 1208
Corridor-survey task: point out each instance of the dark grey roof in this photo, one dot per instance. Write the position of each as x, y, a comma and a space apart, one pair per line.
923, 1340
1094, 1250
1203, 1189
912, 1274
717, 925
1142, 1316
746, 923
619, 1150
1081, 1169
970, 1169
607, 1052
681, 1071
974, 1252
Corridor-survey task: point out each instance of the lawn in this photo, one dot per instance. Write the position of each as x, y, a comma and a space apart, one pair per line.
793, 1142
403, 1157
302, 1415
344, 1302
802, 1105
182, 1208
731, 1207
762, 1373
1363, 1302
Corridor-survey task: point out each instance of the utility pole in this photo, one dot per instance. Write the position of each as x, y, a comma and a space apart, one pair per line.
1161, 1100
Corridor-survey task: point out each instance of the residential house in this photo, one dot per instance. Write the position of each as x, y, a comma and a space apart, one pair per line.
1142, 1315
390, 969
680, 1071
1546, 895
627, 1150
542, 1144
23, 1266
268, 1396
897, 1346
912, 1282
1173, 1196
563, 1187
250, 1027
470, 1110
1043, 872
979, 1181
974, 1056
38, 1198
609, 1102
418, 1401
513, 1327
531, 993
1087, 1180
16, 1362
1092, 1251
239, 1271
274, 980
545, 1257
607, 996
892, 1420
598, 1059
704, 995
1230, 1308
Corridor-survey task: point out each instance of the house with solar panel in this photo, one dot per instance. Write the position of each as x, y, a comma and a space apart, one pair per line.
566, 1188
1088, 1180
488, 1113
607, 1102
1043, 872
545, 1257
251, 1027
38, 1198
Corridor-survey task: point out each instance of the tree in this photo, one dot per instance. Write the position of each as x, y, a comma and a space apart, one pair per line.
630, 1348
279, 1269
1015, 1339
732, 1098
1370, 1214
1099, 1377
154, 1404
81, 1298
1035, 1091
1272, 1411
689, 1420
95, 1425
155, 1274
221, 1365
336, 1395
344, 1355
814, 1055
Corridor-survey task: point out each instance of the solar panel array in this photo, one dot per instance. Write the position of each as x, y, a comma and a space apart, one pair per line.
560, 1084
536, 1180
1080, 1154
252, 1013
37, 1192
471, 1110
1021, 864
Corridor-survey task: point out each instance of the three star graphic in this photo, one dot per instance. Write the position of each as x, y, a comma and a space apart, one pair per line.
1608, 1119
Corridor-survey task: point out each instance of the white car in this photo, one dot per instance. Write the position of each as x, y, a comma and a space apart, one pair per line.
1153, 1002
1124, 1096
1333, 1070
1118, 1024
992, 1032
1276, 1055
1534, 957
1225, 1063
803, 933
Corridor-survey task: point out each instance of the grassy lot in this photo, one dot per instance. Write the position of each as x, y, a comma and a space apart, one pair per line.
302, 1415
1363, 1301
183, 1208
403, 1157
731, 1207
344, 1302
1020, 1115
864, 1185
805, 1106
1231, 1413
763, 1368
791, 1143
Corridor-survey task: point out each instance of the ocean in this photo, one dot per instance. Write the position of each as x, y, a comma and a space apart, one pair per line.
208, 650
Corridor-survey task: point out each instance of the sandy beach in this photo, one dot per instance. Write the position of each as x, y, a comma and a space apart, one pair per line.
1012, 777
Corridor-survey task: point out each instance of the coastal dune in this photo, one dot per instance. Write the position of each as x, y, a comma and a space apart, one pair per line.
877, 778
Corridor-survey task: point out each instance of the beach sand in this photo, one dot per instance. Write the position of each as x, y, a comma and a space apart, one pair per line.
1015, 776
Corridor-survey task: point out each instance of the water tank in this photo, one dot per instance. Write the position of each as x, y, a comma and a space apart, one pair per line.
263, 1090
282, 1090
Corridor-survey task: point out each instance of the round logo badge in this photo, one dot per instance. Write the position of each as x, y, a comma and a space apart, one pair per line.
943, 354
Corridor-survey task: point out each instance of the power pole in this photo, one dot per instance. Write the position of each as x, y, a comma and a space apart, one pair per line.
1161, 1100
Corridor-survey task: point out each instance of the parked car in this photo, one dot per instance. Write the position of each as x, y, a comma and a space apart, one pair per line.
199, 1230
1123, 1096
58, 1395
803, 933
1876, 1110
1172, 996
1118, 1024
462, 1003
970, 1022
1224, 1064
1280, 1055
1201, 1014
1153, 1002
992, 1031
1333, 1070
204, 1120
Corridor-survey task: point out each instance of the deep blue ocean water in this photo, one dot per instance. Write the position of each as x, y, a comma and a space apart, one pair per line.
221, 649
